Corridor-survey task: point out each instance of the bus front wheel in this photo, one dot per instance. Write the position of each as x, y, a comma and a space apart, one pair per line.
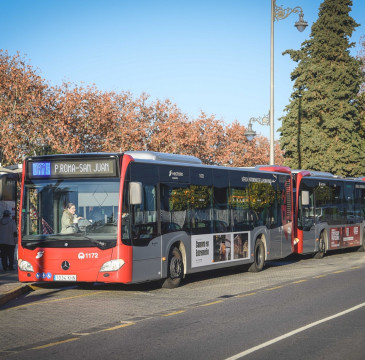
175, 269
321, 247
259, 257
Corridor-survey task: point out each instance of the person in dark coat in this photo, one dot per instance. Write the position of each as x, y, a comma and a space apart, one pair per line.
8, 239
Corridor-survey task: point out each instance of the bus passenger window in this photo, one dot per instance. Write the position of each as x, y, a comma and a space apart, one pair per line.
174, 206
221, 213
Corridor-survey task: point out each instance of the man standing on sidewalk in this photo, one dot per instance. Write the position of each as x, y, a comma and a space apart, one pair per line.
8, 238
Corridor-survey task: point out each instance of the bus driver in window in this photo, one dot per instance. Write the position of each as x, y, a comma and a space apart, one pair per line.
69, 219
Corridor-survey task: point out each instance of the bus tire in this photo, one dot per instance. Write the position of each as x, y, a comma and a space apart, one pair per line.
362, 248
259, 257
322, 247
175, 269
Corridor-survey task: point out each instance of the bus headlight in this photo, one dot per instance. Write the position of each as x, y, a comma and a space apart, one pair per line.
25, 265
112, 265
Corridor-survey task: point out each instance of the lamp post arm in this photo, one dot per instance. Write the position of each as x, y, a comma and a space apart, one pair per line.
262, 120
280, 13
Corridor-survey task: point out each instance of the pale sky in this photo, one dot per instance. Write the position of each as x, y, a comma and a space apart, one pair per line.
204, 55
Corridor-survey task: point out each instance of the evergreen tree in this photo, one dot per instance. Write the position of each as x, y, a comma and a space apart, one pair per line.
320, 130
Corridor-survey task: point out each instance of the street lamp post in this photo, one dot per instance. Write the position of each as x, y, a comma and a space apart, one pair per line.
279, 13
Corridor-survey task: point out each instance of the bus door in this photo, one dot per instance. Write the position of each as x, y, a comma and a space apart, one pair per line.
307, 214
280, 217
286, 211
264, 203
274, 222
143, 213
276, 235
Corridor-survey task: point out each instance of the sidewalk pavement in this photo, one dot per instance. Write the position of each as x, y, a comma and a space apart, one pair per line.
10, 287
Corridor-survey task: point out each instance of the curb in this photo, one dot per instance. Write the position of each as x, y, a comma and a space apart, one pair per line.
12, 294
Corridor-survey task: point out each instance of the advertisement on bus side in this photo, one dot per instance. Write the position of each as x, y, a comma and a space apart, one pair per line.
344, 236
209, 249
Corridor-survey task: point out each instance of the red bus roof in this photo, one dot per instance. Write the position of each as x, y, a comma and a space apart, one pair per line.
275, 168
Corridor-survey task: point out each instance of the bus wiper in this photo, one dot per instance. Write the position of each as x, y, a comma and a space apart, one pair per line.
41, 240
101, 244
39, 243
94, 241
33, 243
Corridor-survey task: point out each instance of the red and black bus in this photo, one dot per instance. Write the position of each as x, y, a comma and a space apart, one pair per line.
329, 212
144, 216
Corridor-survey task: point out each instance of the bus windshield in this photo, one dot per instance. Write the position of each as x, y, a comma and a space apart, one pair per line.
56, 210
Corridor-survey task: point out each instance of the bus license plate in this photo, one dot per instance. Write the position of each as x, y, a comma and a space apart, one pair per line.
64, 278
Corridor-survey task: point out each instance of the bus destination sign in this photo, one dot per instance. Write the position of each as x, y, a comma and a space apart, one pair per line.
72, 168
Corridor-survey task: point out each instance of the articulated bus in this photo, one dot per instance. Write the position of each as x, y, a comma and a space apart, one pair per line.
143, 216
329, 212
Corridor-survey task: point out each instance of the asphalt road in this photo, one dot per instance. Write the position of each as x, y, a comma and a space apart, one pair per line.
302, 309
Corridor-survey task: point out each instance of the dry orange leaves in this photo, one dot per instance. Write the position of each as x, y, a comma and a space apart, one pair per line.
37, 118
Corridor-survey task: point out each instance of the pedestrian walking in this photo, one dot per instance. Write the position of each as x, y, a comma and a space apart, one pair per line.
8, 238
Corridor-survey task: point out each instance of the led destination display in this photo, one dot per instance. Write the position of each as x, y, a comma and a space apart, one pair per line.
72, 168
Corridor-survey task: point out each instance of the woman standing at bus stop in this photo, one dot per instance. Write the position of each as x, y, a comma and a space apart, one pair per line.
8, 238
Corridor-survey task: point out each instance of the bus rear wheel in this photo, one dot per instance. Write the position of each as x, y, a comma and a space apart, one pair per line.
175, 269
321, 247
259, 257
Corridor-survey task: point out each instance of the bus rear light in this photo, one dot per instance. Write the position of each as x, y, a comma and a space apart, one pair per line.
112, 265
25, 265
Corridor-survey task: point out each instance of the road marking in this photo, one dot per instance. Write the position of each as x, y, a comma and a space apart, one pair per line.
274, 288
212, 303
356, 267
319, 276
54, 344
294, 332
118, 327
34, 287
56, 300
174, 313
244, 295
299, 281
338, 271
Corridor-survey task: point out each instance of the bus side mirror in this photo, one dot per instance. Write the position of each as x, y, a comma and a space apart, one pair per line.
305, 198
135, 193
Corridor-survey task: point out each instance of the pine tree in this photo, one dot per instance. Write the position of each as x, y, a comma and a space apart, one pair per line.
320, 130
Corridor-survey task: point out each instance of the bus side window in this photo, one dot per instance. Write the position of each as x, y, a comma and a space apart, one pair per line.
349, 192
242, 217
144, 224
200, 192
221, 213
360, 203
174, 207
